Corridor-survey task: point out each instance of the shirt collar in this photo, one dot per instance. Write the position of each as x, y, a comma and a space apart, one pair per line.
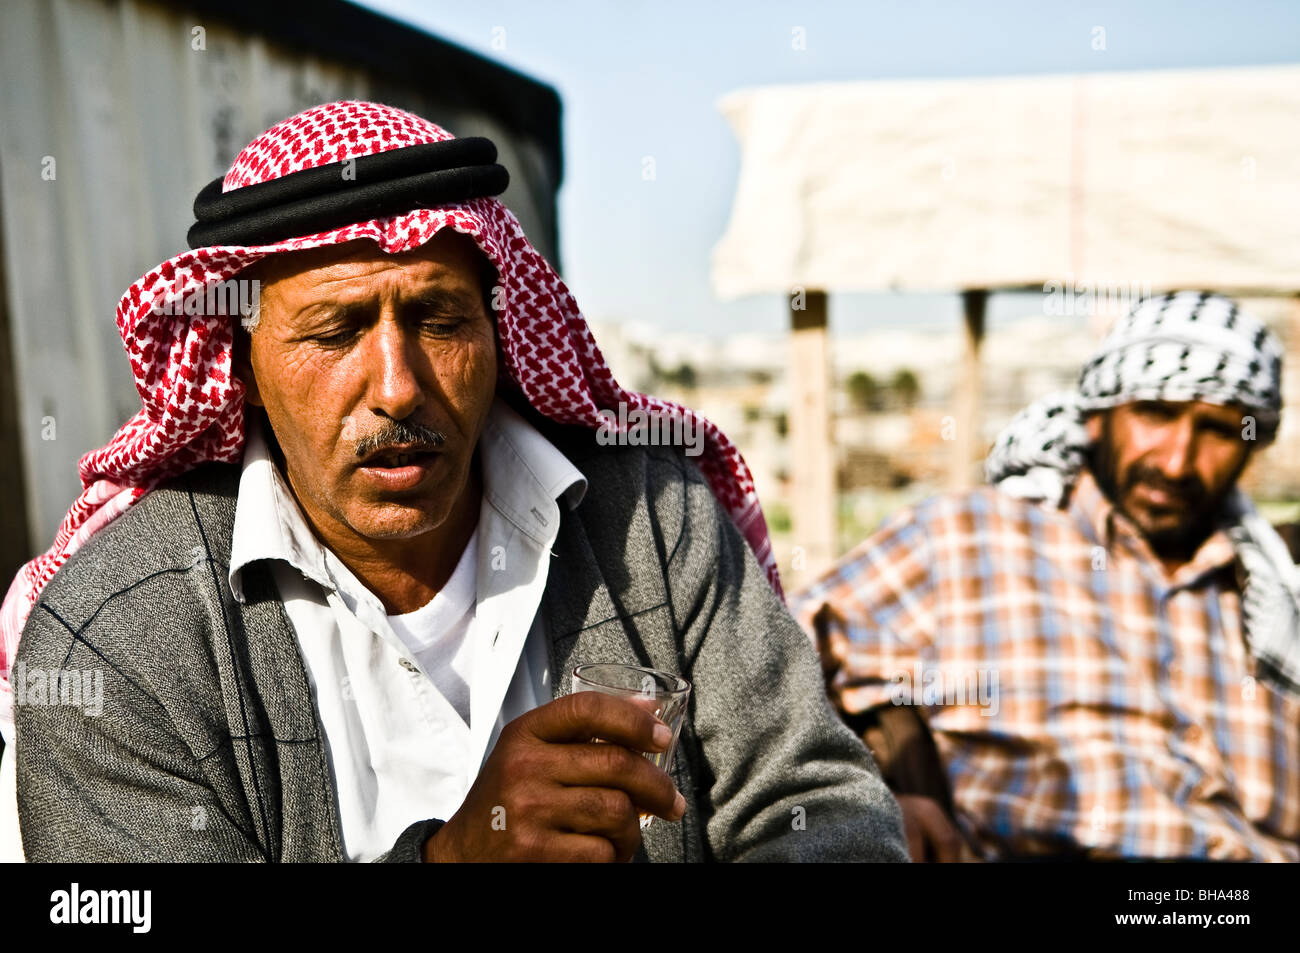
1088, 503
524, 475
1110, 526
268, 522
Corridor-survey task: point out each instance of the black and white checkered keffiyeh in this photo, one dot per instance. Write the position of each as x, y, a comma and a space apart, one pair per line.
1184, 346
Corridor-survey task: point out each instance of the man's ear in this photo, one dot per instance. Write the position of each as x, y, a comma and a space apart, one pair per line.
242, 366
1092, 424
241, 361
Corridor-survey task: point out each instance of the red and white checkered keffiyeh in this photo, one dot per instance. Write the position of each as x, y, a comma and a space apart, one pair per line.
194, 406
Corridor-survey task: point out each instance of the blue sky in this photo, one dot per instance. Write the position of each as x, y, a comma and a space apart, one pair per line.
643, 78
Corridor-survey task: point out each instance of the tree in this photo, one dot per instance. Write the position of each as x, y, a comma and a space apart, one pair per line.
683, 376
906, 387
864, 392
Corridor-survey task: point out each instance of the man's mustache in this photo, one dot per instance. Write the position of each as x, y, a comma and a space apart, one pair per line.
409, 433
1190, 490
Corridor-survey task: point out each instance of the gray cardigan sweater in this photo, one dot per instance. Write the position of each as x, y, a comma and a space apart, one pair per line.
209, 745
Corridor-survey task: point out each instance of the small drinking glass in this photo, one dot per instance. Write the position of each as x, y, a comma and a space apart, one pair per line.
662, 694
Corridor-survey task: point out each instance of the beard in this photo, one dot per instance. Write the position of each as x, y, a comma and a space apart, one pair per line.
1173, 531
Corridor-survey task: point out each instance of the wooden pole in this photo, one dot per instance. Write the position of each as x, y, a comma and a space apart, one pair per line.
968, 417
1286, 448
813, 462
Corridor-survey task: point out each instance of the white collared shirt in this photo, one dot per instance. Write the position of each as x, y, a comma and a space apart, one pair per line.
411, 705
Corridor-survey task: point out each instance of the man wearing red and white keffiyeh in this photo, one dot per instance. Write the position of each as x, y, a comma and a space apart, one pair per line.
376, 421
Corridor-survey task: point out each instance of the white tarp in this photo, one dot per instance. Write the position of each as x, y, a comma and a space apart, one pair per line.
1160, 179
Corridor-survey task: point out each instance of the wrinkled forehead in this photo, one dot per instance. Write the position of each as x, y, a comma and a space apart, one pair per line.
1194, 410
448, 251
450, 261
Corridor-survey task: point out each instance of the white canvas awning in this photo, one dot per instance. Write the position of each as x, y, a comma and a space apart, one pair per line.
1167, 179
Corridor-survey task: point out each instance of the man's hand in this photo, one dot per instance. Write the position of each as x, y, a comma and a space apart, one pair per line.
549, 793
931, 836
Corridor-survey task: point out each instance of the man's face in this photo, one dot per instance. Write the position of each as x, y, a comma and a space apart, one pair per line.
1168, 466
359, 352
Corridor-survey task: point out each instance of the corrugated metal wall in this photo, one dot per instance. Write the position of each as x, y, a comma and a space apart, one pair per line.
112, 116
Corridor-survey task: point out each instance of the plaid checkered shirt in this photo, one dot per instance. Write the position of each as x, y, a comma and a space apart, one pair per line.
1079, 697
